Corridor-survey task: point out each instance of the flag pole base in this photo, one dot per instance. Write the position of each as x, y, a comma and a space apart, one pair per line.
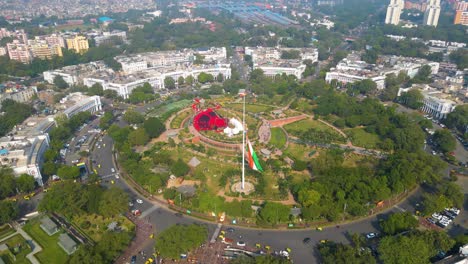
248, 187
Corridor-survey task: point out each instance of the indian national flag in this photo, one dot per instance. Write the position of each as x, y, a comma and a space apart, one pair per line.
252, 158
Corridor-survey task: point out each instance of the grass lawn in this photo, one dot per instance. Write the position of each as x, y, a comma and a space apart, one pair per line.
278, 137
177, 121
51, 251
24, 249
303, 105
6, 230
299, 127
253, 108
298, 151
98, 224
361, 138
354, 160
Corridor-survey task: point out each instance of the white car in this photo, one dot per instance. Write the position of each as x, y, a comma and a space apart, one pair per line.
241, 243
130, 204
113, 170
371, 235
139, 201
117, 176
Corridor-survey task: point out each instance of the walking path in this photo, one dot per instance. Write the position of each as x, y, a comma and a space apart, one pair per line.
35, 247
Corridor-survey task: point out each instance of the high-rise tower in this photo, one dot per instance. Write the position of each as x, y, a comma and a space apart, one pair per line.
431, 16
394, 11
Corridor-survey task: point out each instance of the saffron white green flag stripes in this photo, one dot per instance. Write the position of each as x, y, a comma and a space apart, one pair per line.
252, 158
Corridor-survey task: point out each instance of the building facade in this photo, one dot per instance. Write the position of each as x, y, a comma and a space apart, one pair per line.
19, 51
76, 103
78, 43
432, 13
394, 11
461, 13
437, 106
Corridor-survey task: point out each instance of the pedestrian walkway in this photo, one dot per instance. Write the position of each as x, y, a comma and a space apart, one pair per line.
149, 211
35, 247
216, 233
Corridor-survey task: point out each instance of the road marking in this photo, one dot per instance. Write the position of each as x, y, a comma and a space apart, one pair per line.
109, 175
399, 208
216, 233
149, 211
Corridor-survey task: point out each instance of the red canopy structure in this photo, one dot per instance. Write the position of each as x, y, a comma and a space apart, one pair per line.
208, 119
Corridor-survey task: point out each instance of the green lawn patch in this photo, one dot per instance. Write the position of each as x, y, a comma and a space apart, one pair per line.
278, 137
6, 230
18, 247
94, 226
177, 121
321, 133
252, 108
361, 138
51, 251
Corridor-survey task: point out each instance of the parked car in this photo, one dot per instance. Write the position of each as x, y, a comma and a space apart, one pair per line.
306, 240
371, 235
241, 243
139, 201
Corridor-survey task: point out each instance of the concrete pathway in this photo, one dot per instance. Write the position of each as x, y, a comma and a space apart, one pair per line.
35, 247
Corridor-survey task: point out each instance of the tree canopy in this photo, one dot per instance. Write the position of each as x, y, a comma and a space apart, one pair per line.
398, 222
180, 239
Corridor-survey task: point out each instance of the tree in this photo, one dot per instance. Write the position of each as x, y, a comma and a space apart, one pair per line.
403, 249
8, 211
460, 57
458, 118
25, 183
60, 82
169, 83
189, 80
113, 202
179, 239
138, 137
205, 77
154, 127
180, 81
106, 120
423, 75
133, 117
273, 213
413, 98
68, 172
332, 253
179, 168
399, 222
444, 140
7, 182
96, 89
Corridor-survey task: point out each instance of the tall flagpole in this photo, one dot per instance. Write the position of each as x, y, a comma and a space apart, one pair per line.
243, 143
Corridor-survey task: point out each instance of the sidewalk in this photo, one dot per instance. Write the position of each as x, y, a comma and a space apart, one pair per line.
35, 247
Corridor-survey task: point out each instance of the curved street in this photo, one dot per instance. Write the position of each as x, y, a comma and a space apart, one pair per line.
161, 218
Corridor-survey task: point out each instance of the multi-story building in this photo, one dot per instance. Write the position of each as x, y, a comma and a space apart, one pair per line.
19, 51
431, 16
19, 95
41, 49
132, 64
107, 37
351, 69
436, 105
461, 13
270, 60
74, 74
55, 40
124, 84
23, 149
77, 102
394, 11
78, 43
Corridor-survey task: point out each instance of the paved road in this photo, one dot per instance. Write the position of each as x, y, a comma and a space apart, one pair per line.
162, 218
